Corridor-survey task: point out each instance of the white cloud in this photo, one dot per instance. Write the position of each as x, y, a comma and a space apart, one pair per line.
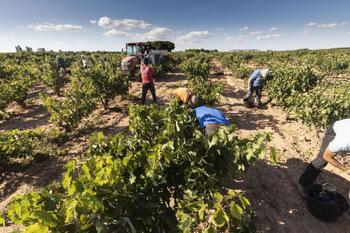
243, 29
311, 24
157, 33
256, 33
194, 36
93, 21
332, 25
347, 33
113, 32
55, 27
324, 25
273, 29
269, 36
239, 38
122, 24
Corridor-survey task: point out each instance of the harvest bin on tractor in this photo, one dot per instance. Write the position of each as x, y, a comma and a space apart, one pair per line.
135, 52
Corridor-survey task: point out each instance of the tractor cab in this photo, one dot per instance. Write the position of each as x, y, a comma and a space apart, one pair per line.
135, 52
134, 55
136, 49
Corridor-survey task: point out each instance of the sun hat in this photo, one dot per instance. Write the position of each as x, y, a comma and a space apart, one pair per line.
264, 72
194, 99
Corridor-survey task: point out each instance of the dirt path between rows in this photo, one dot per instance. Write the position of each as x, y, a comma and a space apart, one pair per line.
271, 188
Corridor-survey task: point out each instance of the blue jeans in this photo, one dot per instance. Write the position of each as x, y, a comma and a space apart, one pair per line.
258, 93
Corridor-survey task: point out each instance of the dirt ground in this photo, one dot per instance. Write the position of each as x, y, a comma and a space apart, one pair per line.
270, 188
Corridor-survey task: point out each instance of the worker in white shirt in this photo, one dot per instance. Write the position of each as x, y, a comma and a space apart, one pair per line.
336, 140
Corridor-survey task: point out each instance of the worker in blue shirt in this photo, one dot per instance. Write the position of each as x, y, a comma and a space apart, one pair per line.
256, 84
210, 119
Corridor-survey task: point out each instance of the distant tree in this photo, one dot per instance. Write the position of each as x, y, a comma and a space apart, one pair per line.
201, 50
161, 45
19, 49
29, 49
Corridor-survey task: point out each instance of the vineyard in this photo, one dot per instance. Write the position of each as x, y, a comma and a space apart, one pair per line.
79, 153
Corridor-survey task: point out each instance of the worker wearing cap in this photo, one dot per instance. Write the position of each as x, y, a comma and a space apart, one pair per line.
256, 84
336, 140
210, 119
185, 96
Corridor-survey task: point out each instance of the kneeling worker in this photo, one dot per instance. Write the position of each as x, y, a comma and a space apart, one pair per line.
210, 119
186, 96
336, 140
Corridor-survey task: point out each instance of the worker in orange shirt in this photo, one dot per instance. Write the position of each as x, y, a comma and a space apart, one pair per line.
185, 96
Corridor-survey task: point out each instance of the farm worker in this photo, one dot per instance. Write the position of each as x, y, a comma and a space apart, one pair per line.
256, 84
147, 75
60, 63
210, 119
185, 95
336, 140
85, 61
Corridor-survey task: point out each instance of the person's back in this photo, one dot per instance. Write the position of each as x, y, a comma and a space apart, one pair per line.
207, 116
183, 94
147, 73
256, 79
341, 140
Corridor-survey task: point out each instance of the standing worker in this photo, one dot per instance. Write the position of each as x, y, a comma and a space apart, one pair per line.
185, 96
256, 84
61, 63
85, 62
210, 119
147, 76
336, 140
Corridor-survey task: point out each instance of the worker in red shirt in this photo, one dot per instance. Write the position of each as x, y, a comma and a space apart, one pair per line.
147, 75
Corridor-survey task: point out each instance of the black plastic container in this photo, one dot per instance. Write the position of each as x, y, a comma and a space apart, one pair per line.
325, 205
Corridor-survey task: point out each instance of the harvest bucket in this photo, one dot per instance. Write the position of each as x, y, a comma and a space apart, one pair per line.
325, 203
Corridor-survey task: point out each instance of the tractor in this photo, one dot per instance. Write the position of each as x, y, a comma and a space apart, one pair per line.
135, 52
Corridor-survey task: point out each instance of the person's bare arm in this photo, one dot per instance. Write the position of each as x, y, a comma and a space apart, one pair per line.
329, 157
249, 83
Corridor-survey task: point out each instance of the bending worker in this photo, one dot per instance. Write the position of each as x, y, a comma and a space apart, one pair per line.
336, 140
210, 119
185, 96
256, 84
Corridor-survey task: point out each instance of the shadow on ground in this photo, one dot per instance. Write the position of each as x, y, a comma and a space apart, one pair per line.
36, 175
279, 207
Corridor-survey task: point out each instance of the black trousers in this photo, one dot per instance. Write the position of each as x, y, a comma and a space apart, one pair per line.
257, 91
313, 169
145, 88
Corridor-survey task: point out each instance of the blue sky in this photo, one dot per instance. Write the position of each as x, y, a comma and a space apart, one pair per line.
220, 24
